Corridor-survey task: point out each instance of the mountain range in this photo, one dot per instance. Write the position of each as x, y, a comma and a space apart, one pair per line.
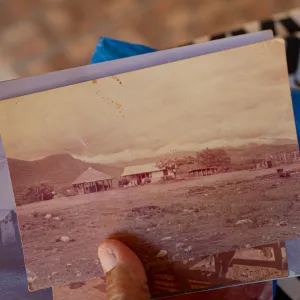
58, 170
62, 169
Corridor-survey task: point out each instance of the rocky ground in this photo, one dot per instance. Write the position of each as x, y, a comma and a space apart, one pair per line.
175, 222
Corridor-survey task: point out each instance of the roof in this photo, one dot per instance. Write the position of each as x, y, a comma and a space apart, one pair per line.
91, 175
139, 169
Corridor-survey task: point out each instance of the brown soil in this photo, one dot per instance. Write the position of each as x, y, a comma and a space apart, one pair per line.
200, 213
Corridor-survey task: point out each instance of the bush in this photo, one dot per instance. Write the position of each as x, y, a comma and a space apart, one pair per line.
35, 193
123, 182
66, 191
216, 157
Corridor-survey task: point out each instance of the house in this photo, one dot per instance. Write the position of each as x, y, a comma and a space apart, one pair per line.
141, 174
92, 181
192, 170
197, 170
270, 161
8, 228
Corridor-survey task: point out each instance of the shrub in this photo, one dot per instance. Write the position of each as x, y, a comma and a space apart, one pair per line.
35, 193
123, 182
66, 191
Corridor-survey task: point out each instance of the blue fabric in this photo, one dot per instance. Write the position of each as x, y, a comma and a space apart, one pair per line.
296, 105
274, 288
110, 49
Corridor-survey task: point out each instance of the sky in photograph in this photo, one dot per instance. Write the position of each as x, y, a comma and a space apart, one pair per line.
229, 98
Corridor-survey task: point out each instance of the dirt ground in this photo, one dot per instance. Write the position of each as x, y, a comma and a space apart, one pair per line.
201, 215
93, 289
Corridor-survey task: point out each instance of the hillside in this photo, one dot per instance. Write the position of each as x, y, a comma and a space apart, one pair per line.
254, 150
57, 170
62, 169
238, 154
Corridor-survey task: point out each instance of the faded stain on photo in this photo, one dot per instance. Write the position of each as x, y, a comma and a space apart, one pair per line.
180, 161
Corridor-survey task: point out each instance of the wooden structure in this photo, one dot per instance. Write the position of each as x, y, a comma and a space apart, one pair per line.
192, 170
167, 276
225, 260
141, 174
92, 181
202, 171
278, 159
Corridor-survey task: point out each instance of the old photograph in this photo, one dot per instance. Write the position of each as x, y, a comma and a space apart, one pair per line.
253, 265
206, 273
93, 290
180, 161
241, 266
292, 253
13, 275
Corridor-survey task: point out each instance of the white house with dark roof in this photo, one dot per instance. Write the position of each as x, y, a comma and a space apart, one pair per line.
140, 174
92, 181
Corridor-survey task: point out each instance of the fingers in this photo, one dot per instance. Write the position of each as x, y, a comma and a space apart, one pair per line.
125, 275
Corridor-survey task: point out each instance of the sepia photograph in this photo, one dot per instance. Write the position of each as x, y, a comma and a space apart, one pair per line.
13, 275
206, 273
241, 266
179, 161
93, 290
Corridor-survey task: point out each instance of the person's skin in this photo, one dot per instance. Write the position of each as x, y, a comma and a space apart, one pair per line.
125, 275
126, 278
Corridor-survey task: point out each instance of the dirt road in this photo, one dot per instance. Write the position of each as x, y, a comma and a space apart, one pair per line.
202, 214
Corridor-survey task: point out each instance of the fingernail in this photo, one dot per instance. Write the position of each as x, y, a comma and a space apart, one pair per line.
107, 258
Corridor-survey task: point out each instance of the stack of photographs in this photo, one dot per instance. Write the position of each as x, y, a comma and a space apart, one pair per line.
193, 162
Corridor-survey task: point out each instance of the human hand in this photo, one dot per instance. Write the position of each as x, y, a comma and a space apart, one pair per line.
125, 275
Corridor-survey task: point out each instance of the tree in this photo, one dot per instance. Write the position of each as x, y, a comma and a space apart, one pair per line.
172, 163
214, 158
38, 192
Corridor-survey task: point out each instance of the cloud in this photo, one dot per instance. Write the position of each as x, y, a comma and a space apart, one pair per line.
228, 98
130, 154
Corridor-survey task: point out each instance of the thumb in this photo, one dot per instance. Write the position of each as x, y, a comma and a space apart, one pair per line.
125, 276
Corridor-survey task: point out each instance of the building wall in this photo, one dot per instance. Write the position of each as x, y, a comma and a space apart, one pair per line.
156, 176
132, 179
279, 159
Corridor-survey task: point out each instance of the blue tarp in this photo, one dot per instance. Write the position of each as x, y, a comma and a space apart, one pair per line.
110, 49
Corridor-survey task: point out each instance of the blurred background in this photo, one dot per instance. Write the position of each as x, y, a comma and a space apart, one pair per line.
39, 36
